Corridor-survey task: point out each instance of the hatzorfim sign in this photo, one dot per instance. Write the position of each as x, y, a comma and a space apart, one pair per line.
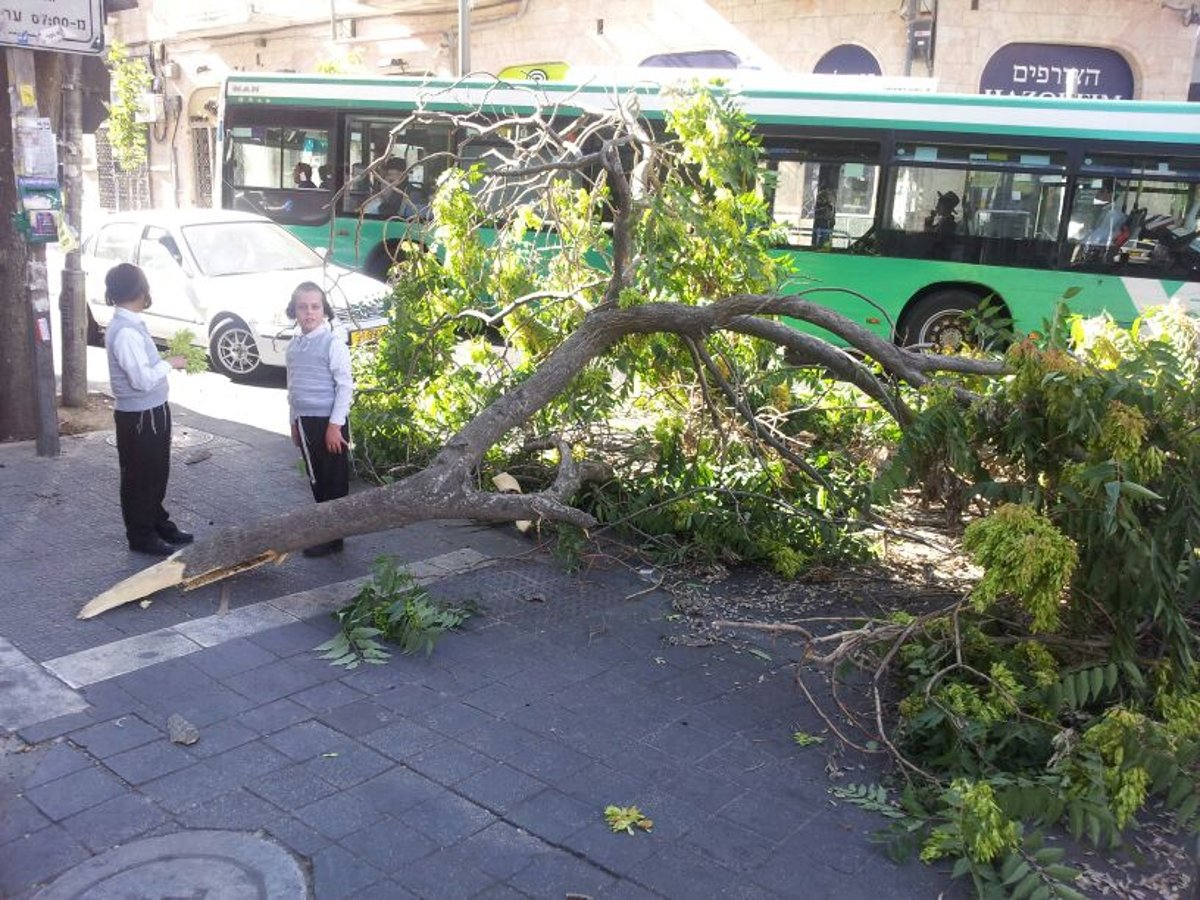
69, 26
1048, 70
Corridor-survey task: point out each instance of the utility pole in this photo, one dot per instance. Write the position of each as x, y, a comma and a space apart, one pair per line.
72, 302
30, 369
464, 37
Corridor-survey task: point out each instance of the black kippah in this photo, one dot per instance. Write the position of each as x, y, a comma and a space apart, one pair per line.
123, 282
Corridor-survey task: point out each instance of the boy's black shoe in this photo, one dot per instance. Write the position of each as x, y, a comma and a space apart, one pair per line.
172, 535
324, 549
152, 546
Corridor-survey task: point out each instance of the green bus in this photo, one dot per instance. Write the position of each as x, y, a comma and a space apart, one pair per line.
925, 204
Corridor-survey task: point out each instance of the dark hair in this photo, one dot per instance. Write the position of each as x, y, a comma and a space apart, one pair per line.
308, 287
125, 282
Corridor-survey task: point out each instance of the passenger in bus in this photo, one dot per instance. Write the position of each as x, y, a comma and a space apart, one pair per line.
942, 223
824, 220
394, 200
302, 175
325, 174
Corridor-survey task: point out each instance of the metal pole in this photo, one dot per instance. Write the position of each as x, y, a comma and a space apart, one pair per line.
464, 37
910, 18
72, 302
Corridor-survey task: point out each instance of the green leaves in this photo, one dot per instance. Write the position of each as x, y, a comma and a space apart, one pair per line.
626, 819
130, 79
394, 608
182, 343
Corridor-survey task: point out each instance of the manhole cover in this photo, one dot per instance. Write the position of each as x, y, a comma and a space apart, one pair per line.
226, 864
181, 438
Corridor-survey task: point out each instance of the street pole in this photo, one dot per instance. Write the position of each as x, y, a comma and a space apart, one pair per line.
35, 386
464, 37
72, 302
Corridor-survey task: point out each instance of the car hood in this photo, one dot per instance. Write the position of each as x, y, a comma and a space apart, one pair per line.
264, 296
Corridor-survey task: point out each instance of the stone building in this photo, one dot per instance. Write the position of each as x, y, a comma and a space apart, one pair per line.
1136, 49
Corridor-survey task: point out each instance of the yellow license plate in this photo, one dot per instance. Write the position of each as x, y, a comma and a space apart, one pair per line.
365, 336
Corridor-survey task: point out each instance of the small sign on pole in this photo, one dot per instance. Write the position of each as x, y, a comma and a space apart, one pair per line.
68, 26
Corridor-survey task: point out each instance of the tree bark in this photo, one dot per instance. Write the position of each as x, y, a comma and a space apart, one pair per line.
18, 401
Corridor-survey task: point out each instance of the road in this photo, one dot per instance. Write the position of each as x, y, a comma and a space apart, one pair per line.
261, 402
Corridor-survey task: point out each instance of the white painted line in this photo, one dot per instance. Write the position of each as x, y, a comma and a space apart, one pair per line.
133, 653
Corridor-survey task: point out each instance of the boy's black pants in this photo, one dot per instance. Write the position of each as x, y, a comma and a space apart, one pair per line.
328, 473
144, 452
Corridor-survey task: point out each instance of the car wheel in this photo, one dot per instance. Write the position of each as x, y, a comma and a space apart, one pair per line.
940, 322
233, 350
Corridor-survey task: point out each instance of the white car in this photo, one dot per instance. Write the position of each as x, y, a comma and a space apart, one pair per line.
226, 277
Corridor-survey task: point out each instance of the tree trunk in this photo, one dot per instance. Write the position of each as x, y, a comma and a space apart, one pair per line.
18, 399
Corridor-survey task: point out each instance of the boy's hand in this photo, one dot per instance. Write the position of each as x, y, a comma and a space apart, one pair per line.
334, 442
177, 362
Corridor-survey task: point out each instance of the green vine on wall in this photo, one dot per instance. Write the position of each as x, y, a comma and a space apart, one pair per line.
130, 80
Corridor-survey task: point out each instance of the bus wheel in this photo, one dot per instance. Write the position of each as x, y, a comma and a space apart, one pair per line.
940, 322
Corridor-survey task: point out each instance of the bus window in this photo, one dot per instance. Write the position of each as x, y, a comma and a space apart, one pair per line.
996, 206
271, 170
1143, 219
417, 155
824, 193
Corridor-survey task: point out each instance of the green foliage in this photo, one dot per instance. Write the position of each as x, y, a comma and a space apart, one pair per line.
1085, 457
692, 479
393, 608
182, 344
626, 819
130, 78
804, 739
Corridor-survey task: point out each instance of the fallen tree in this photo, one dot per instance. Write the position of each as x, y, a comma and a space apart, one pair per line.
637, 186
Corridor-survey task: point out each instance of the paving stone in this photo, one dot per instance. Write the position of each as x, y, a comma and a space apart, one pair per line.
289, 640
397, 791
327, 696
338, 815
249, 761
450, 819
359, 718
115, 736
37, 858
54, 761
558, 874
497, 698
500, 850
308, 739
616, 852
179, 790
114, 822
56, 727
685, 743
552, 815
232, 658
273, 716
150, 761
291, 788
337, 873
773, 815
456, 720
221, 736
410, 700
500, 891
727, 843
347, 767
449, 762
383, 890
389, 844
705, 790
679, 872
74, 792
274, 681
173, 678
442, 875
19, 817
202, 706
236, 810
403, 740
502, 740
500, 787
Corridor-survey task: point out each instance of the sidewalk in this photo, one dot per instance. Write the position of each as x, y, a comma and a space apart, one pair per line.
481, 771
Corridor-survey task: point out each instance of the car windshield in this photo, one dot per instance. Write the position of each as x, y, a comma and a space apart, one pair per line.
241, 248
